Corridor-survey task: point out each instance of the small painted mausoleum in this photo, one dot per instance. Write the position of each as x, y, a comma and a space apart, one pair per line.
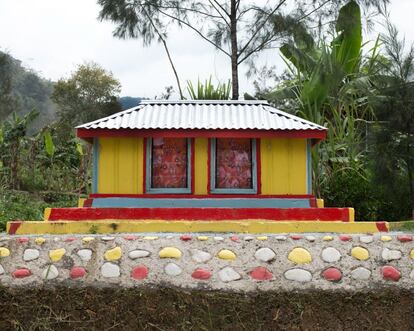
199, 166
202, 160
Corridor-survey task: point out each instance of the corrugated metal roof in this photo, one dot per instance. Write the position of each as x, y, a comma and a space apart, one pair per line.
203, 114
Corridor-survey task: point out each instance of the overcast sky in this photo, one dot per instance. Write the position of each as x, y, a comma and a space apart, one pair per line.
53, 36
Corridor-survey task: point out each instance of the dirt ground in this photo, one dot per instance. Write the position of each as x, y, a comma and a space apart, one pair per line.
173, 309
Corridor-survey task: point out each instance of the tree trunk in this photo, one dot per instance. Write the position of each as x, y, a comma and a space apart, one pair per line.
168, 54
173, 68
234, 50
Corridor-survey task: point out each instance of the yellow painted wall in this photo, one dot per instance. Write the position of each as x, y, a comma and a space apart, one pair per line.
121, 162
120, 165
200, 165
283, 166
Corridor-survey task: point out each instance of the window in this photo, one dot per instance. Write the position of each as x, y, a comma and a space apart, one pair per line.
168, 165
233, 165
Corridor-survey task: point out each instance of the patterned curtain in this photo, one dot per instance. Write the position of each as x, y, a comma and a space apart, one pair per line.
234, 163
169, 163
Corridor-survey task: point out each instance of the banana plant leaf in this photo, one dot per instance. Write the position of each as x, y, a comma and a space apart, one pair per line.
347, 45
49, 145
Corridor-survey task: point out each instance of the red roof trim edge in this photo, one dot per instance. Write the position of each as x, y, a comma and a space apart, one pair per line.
177, 133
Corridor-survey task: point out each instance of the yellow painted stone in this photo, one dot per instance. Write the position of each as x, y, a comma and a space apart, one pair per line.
202, 238
327, 238
226, 254
360, 253
300, 255
262, 238
170, 252
386, 238
4, 252
150, 238
412, 254
88, 239
57, 254
40, 240
113, 254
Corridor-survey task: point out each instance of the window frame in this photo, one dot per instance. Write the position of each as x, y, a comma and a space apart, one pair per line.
212, 165
167, 190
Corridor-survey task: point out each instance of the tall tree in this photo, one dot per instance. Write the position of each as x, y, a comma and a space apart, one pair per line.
239, 31
394, 132
89, 93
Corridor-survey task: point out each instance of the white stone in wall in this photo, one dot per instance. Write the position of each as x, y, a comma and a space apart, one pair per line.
138, 253
330, 255
171, 269
110, 270
1, 270
50, 272
264, 254
30, 254
248, 238
298, 275
228, 274
108, 238
310, 238
218, 238
200, 256
390, 254
366, 239
85, 254
412, 274
360, 273
282, 238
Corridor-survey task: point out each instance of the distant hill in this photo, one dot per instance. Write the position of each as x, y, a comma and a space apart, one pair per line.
129, 102
27, 90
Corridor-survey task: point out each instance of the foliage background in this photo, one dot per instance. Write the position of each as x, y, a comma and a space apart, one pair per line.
362, 91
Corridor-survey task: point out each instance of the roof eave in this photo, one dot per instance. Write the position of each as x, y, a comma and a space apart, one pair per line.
206, 133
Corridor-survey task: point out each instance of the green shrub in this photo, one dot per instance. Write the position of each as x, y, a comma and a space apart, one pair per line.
372, 202
16, 205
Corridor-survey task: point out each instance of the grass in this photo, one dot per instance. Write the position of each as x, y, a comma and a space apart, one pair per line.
402, 226
20, 205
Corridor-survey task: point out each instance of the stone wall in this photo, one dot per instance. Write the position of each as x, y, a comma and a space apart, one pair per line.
225, 262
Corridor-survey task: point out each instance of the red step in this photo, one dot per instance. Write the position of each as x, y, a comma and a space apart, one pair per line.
198, 214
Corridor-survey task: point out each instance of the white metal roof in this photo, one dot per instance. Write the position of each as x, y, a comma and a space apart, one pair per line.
203, 114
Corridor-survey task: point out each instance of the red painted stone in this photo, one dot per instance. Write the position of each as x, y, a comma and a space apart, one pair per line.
234, 238
185, 237
345, 237
405, 238
77, 272
21, 273
332, 274
130, 237
139, 272
261, 273
201, 273
70, 239
391, 273
22, 240
296, 237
